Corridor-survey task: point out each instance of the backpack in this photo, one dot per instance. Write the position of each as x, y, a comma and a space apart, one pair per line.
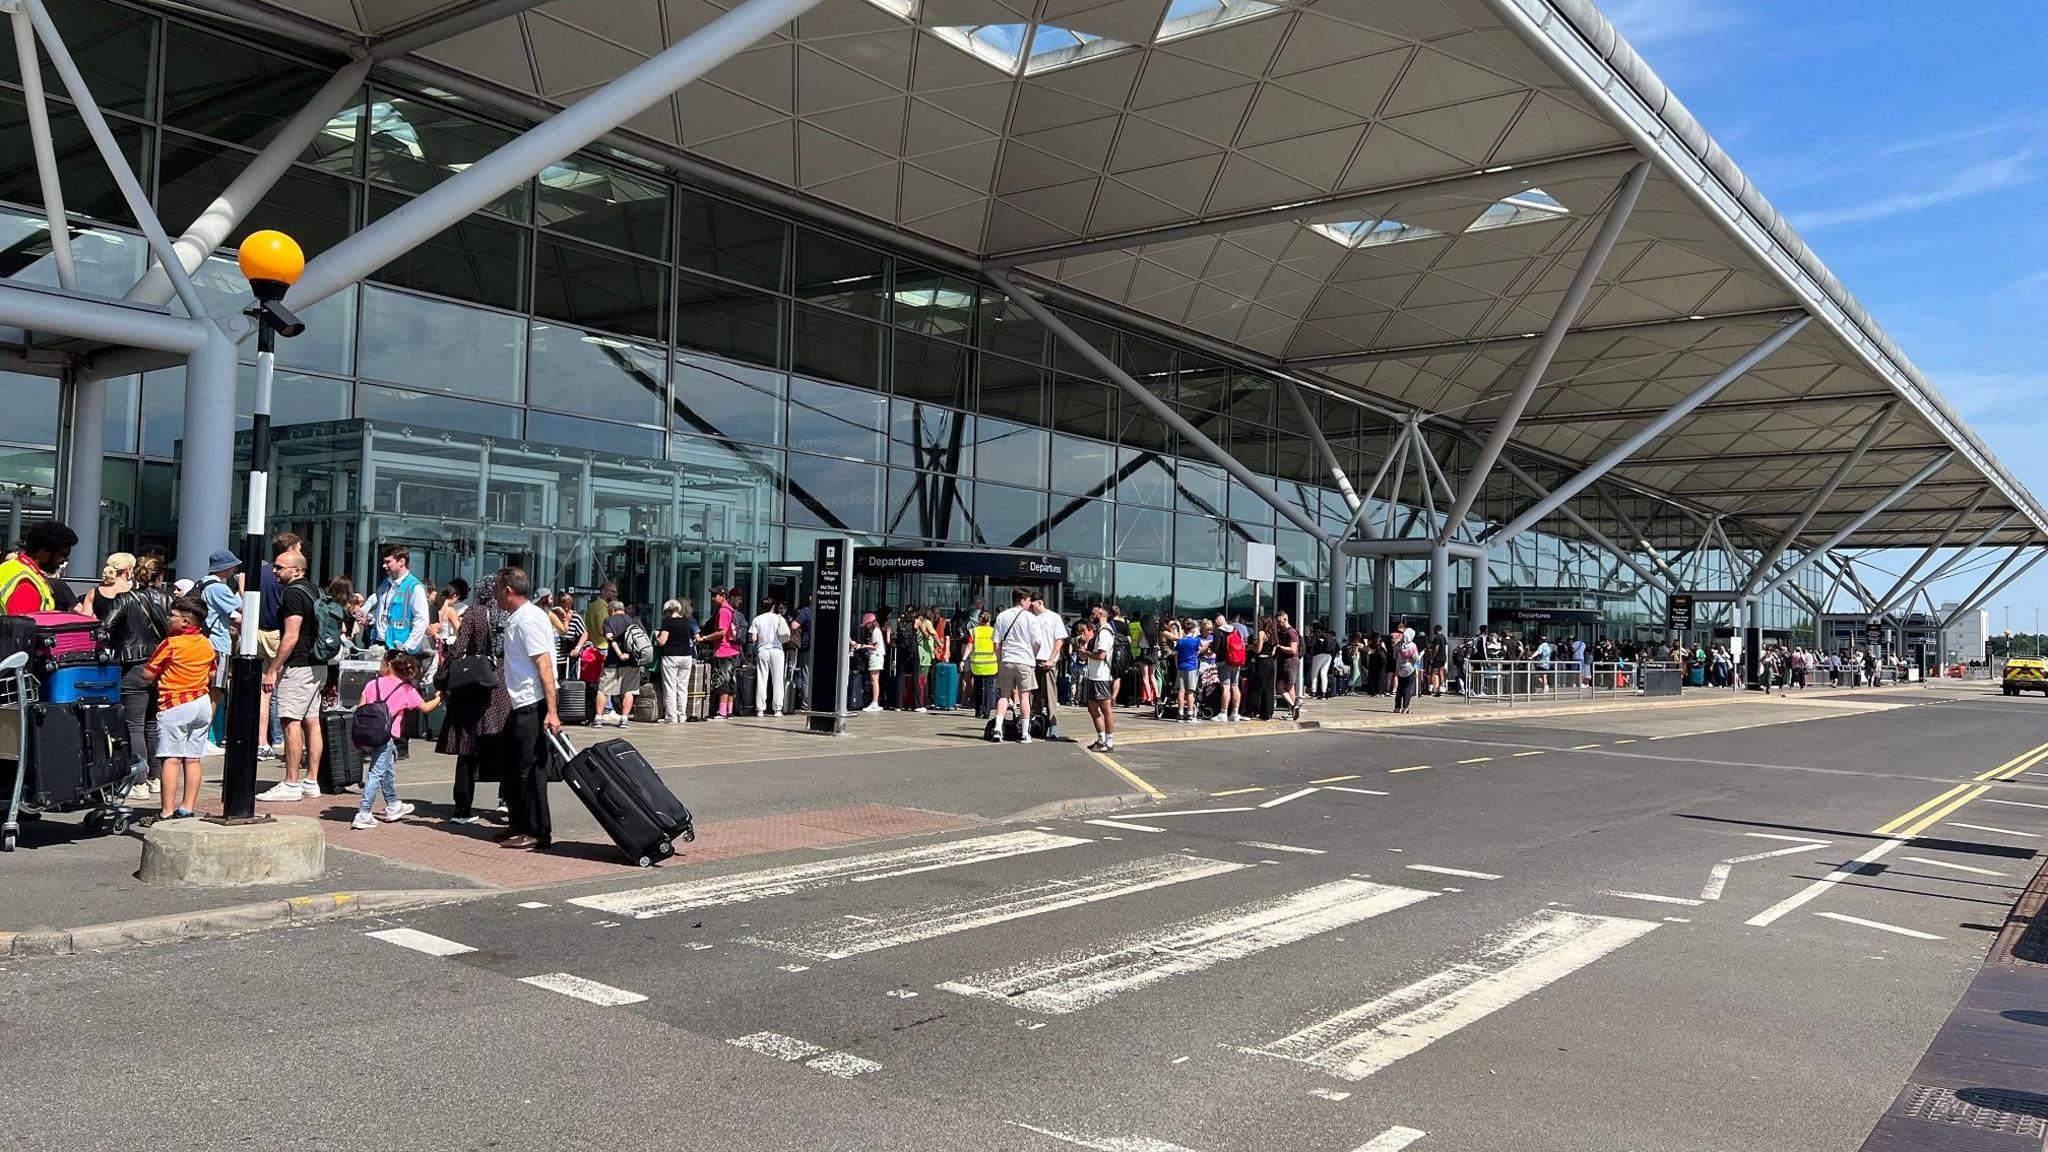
1119, 656
639, 643
371, 727
327, 614
1406, 663
1233, 649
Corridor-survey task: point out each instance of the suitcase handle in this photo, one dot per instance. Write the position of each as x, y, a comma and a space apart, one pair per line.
560, 742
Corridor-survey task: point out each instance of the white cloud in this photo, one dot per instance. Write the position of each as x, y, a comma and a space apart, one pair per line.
1990, 176
2031, 285
1647, 22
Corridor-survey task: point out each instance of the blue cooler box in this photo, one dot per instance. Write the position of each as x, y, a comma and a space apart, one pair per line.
98, 682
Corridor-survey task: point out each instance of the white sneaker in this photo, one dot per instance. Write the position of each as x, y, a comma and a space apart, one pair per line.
156, 787
310, 787
213, 749
265, 752
363, 820
1024, 738
398, 812
872, 708
913, 710
624, 719
282, 792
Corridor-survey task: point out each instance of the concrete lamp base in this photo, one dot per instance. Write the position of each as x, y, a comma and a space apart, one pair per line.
199, 854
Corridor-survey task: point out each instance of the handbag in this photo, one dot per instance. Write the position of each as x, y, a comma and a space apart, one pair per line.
472, 672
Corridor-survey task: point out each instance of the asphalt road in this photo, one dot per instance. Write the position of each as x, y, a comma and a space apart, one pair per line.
1675, 930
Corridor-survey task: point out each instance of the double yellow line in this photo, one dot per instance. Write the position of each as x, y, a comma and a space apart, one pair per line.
1941, 807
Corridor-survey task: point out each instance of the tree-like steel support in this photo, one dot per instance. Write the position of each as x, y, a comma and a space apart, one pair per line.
40, 142
1568, 308
1878, 426
1867, 515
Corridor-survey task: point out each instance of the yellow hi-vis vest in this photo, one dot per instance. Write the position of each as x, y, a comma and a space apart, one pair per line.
981, 660
13, 571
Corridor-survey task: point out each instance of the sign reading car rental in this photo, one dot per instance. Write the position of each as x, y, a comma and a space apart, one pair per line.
1678, 617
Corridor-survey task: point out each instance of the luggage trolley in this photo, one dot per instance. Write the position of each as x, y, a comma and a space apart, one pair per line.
67, 756
18, 693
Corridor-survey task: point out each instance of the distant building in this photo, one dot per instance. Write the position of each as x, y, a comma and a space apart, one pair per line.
1964, 637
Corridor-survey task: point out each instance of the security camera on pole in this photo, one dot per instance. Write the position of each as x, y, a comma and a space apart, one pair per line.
272, 262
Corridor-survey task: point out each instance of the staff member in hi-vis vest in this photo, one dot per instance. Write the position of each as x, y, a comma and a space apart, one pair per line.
981, 663
25, 575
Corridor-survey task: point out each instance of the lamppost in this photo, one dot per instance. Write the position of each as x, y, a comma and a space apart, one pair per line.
271, 261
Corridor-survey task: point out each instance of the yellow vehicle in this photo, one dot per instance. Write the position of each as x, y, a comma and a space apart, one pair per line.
2026, 674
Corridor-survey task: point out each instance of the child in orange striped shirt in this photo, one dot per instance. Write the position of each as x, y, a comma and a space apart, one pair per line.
181, 669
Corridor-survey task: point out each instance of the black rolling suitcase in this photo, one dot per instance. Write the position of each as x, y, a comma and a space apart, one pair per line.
744, 680
629, 801
575, 701
341, 762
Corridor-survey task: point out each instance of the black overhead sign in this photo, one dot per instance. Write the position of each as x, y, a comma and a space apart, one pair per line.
828, 635
1548, 615
1029, 567
1679, 619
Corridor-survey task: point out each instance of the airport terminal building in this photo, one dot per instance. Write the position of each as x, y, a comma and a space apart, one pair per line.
1448, 300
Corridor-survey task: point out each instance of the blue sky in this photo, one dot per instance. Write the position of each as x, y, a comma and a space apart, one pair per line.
1908, 142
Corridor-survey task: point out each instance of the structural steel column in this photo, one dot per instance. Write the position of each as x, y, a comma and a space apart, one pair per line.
1440, 588
232, 206
1884, 602
1591, 532
1987, 590
1877, 429
45, 151
1382, 594
84, 457
1482, 591
1869, 514
1950, 564
444, 205
1315, 434
207, 456
1568, 309
1648, 432
1159, 408
1338, 609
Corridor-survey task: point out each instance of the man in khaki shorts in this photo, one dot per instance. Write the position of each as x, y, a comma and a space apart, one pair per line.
1017, 665
295, 679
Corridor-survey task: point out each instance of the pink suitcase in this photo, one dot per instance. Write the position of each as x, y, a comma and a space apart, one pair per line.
64, 636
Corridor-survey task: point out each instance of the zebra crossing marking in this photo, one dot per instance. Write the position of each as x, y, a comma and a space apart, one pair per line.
1076, 980
789, 1049
590, 991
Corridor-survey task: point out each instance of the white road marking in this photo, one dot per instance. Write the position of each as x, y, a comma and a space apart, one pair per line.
1717, 877
1970, 868
1125, 825
1102, 1143
2000, 831
1545, 948
1656, 899
1072, 981
837, 939
2014, 803
1355, 791
1283, 848
1467, 873
1331, 1094
1194, 812
789, 1049
900, 994
420, 941
660, 900
1769, 916
844, 1065
795, 968
1277, 801
534, 904
1392, 1140
1794, 839
1882, 927
603, 995
1537, 752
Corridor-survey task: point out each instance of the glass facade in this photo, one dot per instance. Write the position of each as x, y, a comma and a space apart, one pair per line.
611, 372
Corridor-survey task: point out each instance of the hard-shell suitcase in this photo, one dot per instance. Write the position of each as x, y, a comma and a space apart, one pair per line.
69, 685
575, 701
75, 751
630, 802
744, 681
355, 675
697, 698
68, 637
945, 687
341, 762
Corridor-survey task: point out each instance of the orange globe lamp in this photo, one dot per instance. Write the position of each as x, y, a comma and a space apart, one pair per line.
272, 262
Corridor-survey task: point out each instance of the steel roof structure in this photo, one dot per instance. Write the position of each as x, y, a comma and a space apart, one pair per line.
1486, 218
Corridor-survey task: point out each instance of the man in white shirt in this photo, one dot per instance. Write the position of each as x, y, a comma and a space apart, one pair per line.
1098, 690
1016, 636
771, 632
527, 677
1052, 645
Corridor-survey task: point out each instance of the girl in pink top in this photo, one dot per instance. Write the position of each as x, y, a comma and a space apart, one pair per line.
394, 689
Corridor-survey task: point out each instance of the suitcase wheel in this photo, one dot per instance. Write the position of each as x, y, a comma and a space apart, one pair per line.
666, 849
689, 835
644, 862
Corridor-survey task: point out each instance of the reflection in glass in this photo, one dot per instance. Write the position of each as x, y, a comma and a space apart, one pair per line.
928, 506
478, 259
402, 408
720, 398
839, 275
1146, 588
1082, 466
1083, 407
1199, 591
1080, 526
88, 187
1198, 542
295, 398
1009, 330
592, 287
31, 406
932, 438
1013, 390
595, 435
933, 303
1006, 517
608, 205
124, 413
316, 210
108, 262
1072, 363
1200, 487
931, 370
837, 420
726, 240
1143, 478
597, 375
1010, 452
728, 321
114, 48
838, 348
1144, 534
163, 411
327, 345
230, 91
415, 144
831, 493
432, 344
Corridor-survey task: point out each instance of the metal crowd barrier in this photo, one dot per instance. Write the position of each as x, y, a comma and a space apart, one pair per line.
1530, 681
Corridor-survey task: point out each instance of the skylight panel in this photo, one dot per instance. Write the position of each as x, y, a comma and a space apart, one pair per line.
1187, 17
1521, 208
1027, 48
1372, 233
1526, 207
